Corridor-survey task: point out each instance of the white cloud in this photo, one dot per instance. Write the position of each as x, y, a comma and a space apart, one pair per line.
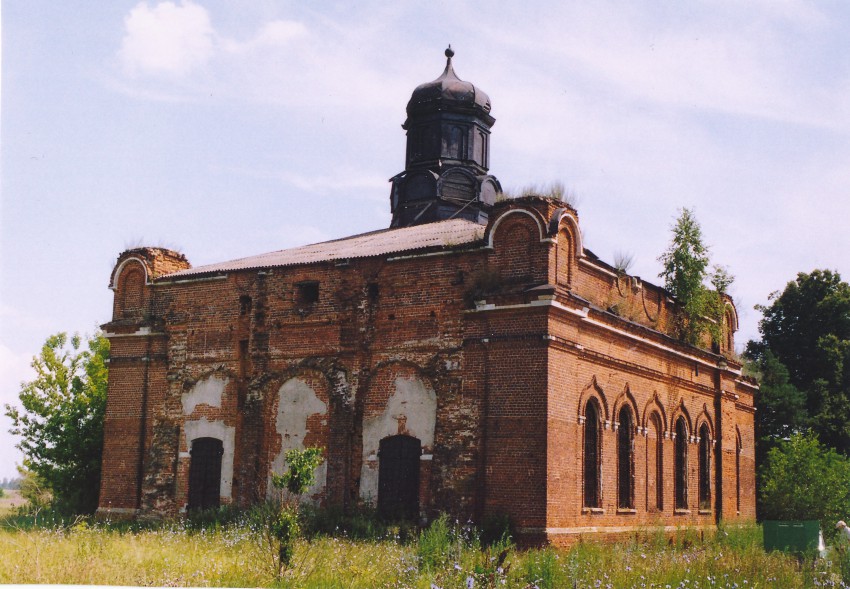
168, 39
277, 33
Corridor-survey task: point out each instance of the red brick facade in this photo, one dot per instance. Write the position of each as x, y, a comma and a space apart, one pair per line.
488, 350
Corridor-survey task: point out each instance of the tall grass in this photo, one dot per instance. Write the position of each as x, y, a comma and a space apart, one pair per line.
447, 555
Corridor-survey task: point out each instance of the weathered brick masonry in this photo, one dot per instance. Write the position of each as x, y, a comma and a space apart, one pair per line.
475, 358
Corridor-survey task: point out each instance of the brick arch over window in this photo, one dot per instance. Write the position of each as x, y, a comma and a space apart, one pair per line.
654, 405
565, 219
681, 411
704, 418
593, 390
512, 215
129, 283
625, 398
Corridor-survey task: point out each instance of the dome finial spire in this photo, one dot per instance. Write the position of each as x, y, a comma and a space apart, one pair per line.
450, 52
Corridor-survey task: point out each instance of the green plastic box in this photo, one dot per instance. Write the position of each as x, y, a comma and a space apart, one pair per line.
791, 536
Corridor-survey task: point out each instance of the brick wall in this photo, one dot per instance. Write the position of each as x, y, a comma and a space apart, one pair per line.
484, 352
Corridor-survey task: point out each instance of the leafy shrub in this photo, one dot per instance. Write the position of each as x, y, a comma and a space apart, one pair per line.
300, 472
804, 480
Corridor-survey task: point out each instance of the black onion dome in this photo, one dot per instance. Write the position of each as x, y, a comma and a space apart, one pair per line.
448, 88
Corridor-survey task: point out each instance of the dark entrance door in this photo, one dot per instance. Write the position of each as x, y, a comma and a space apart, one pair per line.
205, 473
398, 477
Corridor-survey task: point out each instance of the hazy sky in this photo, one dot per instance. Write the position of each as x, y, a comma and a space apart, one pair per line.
225, 129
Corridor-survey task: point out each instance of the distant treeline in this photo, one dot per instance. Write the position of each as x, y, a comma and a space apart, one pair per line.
8, 483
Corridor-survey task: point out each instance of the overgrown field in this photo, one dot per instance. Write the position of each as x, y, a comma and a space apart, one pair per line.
446, 555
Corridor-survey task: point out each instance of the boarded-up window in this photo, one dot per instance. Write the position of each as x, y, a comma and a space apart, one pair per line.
205, 473
132, 289
655, 465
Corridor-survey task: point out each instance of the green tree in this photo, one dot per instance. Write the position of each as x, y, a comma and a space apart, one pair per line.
60, 420
806, 328
685, 270
781, 406
802, 480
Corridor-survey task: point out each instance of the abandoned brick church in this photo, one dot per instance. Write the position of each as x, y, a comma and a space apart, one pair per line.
473, 358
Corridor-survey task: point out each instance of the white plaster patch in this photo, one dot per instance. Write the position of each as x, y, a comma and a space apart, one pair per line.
298, 402
411, 410
203, 428
207, 391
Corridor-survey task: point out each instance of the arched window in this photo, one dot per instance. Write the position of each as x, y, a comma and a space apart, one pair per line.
592, 455
625, 460
704, 467
738, 448
681, 464
655, 464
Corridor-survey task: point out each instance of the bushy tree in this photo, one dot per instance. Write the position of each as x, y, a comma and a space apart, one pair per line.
685, 271
60, 420
802, 480
806, 328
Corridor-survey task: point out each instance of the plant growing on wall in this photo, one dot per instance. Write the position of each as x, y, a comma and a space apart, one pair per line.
279, 522
685, 271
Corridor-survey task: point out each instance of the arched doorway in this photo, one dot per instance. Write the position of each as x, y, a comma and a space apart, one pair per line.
398, 477
205, 473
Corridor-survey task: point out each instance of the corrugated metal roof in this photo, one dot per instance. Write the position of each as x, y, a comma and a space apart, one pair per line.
453, 232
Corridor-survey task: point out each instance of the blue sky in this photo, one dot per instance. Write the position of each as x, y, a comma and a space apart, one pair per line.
226, 129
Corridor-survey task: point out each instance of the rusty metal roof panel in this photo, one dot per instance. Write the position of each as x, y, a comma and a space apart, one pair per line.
443, 234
